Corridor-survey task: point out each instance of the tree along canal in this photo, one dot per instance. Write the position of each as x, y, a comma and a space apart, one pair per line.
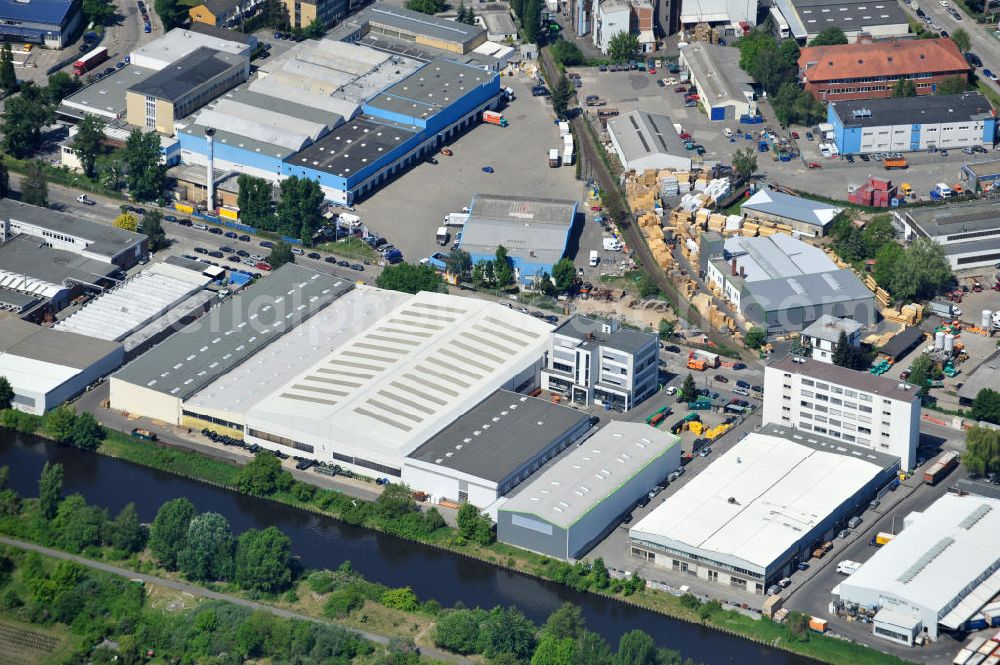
323, 542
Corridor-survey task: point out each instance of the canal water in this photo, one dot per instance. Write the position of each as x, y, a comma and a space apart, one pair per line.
323, 542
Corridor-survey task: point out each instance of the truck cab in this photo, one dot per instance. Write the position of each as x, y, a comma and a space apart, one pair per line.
594, 258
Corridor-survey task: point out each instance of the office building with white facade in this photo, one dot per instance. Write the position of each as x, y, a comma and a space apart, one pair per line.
969, 233
598, 362
856, 408
823, 336
935, 575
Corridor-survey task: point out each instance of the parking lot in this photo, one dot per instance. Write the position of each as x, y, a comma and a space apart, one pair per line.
409, 209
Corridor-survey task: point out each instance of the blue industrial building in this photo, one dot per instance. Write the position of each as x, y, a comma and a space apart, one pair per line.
908, 124
398, 127
534, 231
51, 23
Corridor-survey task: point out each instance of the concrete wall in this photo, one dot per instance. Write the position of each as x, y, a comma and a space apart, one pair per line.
145, 402
87, 376
444, 483
532, 533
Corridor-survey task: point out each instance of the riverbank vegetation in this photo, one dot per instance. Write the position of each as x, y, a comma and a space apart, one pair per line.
396, 513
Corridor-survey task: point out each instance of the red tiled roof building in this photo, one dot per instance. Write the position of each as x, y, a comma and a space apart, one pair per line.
870, 70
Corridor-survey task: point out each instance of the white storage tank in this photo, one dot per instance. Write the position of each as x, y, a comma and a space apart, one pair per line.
987, 319
939, 340
949, 343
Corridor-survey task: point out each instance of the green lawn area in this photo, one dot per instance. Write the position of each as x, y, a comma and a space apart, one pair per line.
354, 248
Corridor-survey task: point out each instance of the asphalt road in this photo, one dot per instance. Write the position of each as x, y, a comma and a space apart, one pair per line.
211, 595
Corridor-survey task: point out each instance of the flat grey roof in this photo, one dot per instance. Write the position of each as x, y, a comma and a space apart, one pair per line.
107, 96
717, 71
980, 245
643, 133
498, 22
986, 375
352, 147
222, 33
990, 167
822, 288
572, 486
17, 300
878, 385
903, 341
591, 331
926, 109
956, 219
433, 87
406, 21
424, 52
829, 328
499, 435
25, 255
535, 230
856, 16
28, 340
102, 239
226, 336
176, 80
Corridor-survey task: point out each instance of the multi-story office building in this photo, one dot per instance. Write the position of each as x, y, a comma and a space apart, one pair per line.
857, 408
593, 361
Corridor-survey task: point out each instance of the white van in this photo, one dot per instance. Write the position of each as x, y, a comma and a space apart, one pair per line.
200, 227
728, 132
297, 251
593, 258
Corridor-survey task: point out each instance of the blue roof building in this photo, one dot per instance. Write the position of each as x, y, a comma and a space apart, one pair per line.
51, 23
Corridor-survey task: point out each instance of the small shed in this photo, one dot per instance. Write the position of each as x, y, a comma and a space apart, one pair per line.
902, 343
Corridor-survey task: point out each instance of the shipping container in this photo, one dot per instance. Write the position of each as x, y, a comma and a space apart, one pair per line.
962, 657
229, 213
819, 625
184, 208
940, 468
882, 538
494, 118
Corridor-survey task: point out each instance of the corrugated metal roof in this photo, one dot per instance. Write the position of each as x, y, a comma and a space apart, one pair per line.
534, 230
792, 207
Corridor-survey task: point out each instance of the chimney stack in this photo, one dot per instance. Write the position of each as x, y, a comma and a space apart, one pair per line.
210, 174
743, 272
732, 271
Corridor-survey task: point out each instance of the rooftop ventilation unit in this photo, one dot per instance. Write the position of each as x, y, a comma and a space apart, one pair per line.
861, 113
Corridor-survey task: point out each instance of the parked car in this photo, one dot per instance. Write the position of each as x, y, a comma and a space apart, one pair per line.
231, 234
742, 391
266, 243
720, 378
809, 136
814, 165
263, 265
200, 250
169, 218
358, 267
242, 253
244, 238
215, 230
487, 169
216, 254
742, 384
849, 158
330, 259
313, 255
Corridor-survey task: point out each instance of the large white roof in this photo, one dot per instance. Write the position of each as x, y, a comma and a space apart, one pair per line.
946, 559
757, 500
296, 351
178, 43
132, 304
33, 375
391, 387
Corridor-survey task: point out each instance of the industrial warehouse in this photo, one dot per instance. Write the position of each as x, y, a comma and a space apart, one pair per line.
747, 519
572, 504
935, 575
969, 233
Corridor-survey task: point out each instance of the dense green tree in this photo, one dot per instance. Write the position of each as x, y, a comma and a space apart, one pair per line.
920, 372
60, 86
402, 599
599, 574
299, 209
263, 560
88, 142
842, 354
458, 263
919, 271
281, 254
4, 179
982, 451
531, 21
86, 432
551, 651
152, 227
745, 163
8, 77
507, 631
566, 622
591, 649
145, 173
755, 338
562, 95
6, 393
58, 423
171, 15
636, 648
125, 532
50, 489
99, 12
35, 187
566, 53
503, 267
425, 6
564, 274
666, 329
961, 39
688, 389
207, 554
315, 30
409, 278
904, 88
474, 526
168, 533
255, 202
458, 631
829, 37
986, 406
79, 525
623, 46
10, 501
953, 85
263, 476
